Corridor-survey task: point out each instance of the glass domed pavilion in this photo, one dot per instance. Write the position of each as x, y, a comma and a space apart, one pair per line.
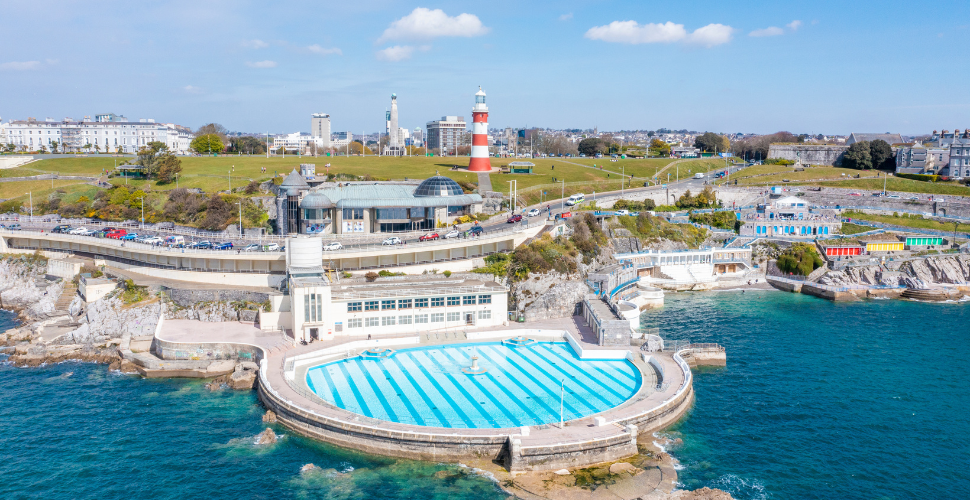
382, 207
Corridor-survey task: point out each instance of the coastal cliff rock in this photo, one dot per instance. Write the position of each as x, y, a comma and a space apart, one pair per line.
916, 273
111, 318
23, 288
552, 295
701, 494
266, 437
205, 311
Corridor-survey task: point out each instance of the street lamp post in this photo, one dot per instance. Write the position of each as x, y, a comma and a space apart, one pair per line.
240, 218
622, 179
562, 201
142, 211
30, 195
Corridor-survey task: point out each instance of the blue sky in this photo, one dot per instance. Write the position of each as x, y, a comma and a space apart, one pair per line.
814, 67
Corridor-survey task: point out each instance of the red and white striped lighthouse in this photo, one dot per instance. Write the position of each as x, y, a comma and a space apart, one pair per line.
480, 161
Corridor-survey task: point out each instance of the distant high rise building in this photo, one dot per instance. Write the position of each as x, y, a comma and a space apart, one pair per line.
444, 135
320, 129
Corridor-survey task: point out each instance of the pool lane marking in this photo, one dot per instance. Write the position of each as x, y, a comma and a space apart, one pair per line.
427, 395
365, 409
593, 366
518, 400
548, 367
474, 380
548, 387
540, 402
456, 382
461, 389
405, 395
322, 372
377, 390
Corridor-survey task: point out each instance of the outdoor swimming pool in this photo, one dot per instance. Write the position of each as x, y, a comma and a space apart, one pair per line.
520, 385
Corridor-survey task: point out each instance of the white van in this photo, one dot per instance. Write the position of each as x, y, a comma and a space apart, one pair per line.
175, 241
576, 199
698, 175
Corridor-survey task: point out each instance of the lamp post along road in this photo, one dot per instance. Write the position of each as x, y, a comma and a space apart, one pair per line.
30, 195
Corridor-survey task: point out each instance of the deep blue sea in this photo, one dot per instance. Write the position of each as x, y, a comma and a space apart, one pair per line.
826, 400
818, 400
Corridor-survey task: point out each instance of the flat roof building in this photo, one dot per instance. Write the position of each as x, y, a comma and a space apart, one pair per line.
446, 134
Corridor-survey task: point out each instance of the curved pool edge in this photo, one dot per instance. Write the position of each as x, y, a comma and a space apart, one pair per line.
545, 447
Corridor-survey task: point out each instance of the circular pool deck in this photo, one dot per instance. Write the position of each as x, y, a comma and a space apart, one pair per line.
595, 437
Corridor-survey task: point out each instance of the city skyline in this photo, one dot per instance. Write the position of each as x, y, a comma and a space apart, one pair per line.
757, 67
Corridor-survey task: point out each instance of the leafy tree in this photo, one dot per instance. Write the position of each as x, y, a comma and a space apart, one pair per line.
168, 166
148, 157
214, 128
757, 147
858, 156
86, 146
246, 144
659, 148
709, 141
217, 214
10, 147
207, 143
252, 187
97, 149
54, 145
591, 146
882, 155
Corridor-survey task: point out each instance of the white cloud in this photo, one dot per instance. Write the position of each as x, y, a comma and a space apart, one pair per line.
190, 89
261, 64
566, 17
316, 49
769, 31
794, 25
424, 23
633, 33
711, 35
255, 44
19, 65
395, 53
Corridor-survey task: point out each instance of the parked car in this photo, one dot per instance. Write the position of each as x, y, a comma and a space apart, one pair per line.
622, 212
454, 233
272, 247
227, 245
475, 231
129, 236
78, 230
893, 196
175, 241
333, 245
63, 228
429, 237
14, 227
393, 240
86, 232
515, 218
153, 240
116, 234
634, 214
855, 194
204, 245
534, 212
254, 247
914, 198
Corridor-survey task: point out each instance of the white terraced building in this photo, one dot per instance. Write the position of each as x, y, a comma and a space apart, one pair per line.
109, 132
688, 267
319, 306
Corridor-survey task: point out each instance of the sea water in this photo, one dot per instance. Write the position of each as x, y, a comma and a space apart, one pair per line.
865, 399
818, 400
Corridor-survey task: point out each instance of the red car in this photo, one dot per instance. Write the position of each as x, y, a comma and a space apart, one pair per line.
429, 237
515, 218
116, 234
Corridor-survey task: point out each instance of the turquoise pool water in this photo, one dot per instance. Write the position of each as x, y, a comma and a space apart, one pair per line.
521, 385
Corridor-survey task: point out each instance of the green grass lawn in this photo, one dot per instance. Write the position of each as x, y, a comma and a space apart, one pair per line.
902, 185
779, 173
9, 190
69, 165
850, 228
915, 222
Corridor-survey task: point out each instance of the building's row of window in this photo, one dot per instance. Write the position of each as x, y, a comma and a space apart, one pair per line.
451, 317
802, 230
313, 307
383, 305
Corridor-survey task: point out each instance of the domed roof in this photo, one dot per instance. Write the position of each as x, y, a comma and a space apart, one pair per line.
293, 184
316, 199
438, 185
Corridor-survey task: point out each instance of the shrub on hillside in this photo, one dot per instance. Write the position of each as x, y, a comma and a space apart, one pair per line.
800, 259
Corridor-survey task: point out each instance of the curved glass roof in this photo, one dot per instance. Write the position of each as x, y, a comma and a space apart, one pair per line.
438, 186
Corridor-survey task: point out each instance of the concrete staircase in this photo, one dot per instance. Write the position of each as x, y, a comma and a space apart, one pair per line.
64, 301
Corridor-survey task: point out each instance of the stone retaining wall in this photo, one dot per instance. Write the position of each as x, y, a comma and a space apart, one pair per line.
808, 154
205, 351
188, 298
